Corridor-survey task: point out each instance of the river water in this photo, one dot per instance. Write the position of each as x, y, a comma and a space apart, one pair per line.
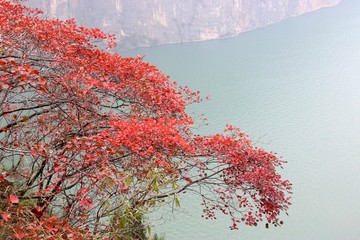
295, 88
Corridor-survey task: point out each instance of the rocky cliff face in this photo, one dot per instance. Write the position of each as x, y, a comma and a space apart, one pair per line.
139, 23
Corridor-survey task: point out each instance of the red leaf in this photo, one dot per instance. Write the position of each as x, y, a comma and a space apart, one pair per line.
188, 179
34, 71
38, 212
124, 187
19, 234
86, 202
6, 216
13, 199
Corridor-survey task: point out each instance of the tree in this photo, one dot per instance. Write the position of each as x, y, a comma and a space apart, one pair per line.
90, 141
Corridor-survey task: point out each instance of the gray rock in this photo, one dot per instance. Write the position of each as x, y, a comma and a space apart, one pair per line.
142, 23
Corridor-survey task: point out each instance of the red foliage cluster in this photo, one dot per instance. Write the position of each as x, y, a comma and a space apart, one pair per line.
84, 132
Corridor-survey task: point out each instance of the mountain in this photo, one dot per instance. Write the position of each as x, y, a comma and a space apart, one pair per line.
140, 23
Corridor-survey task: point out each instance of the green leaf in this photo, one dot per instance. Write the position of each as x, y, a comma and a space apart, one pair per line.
177, 201
149, 230
154, 184
152, 202
123, 222
173, 184
128, 181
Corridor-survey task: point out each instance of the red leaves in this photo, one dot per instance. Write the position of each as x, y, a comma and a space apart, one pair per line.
163, 164
6, 216
34, 153
250, 179
19, 233
124, 187
38, 212
86, 202
13, 199
98, 129
189, 180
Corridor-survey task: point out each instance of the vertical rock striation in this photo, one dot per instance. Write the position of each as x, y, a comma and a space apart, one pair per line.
140, 23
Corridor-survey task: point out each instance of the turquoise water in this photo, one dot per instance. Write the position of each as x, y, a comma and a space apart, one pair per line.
295, 88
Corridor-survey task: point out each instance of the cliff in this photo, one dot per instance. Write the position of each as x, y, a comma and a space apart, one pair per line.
139, 23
